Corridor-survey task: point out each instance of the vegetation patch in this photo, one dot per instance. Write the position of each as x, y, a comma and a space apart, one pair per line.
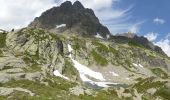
113, 50
148, 83
159, 72
33, 68
99, 59
3, 40
101, 47
6, 67
133, 43
163, 92
56, 90
69, 69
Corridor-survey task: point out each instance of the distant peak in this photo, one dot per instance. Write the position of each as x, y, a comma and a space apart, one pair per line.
78, 5
66, 4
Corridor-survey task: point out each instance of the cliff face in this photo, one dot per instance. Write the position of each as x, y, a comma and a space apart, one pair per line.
72, 17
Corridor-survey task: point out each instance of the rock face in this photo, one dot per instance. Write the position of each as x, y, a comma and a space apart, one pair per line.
137, 40
75, 18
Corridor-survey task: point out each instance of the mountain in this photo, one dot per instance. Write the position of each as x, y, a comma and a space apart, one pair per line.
72, 17
137, 40
38, 63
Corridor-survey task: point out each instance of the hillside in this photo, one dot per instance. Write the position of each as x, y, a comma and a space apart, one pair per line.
40, 63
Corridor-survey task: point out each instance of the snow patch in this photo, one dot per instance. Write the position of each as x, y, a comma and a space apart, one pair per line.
100, 84
107, 36
140, 66
83, 71
69, 48
127, 78
57, 73
87, 71
98, 36
137, 65
114, 74
61, 25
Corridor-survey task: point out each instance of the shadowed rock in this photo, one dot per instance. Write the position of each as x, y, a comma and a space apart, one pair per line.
77, 19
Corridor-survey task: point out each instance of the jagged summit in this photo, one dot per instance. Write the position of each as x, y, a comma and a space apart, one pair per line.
74, 17
78, 5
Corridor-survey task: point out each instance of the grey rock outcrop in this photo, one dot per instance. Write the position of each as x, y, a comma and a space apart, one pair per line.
77, 19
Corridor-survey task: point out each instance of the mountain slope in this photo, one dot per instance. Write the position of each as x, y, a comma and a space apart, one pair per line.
80, 65
41, 63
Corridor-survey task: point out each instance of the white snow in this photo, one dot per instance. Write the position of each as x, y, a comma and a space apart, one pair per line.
61, 25
98, 36
1, 31
69, 48
100, 84
83, 71
137, 65
128, 78
108, 36
140, 66
114, 74
87, 71
57, 73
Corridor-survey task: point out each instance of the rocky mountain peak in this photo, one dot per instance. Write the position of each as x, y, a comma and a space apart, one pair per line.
66, 5
73, 17
78, 5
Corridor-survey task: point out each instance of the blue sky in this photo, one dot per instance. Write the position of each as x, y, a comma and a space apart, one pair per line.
149, 18
147, 11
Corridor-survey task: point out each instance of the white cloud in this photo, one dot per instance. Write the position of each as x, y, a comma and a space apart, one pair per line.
136, 27
165, 45
159, 21
151, 36
18, 13
168, 35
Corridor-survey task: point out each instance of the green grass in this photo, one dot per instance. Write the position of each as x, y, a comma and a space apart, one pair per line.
3, 40
101, 47
99, 59
164, 92
57, 87
134, 44
112, 50
6, 67
33, 68
159, 72
148, 83
69, 69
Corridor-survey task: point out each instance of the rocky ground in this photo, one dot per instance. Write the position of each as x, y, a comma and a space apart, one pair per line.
36, 64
